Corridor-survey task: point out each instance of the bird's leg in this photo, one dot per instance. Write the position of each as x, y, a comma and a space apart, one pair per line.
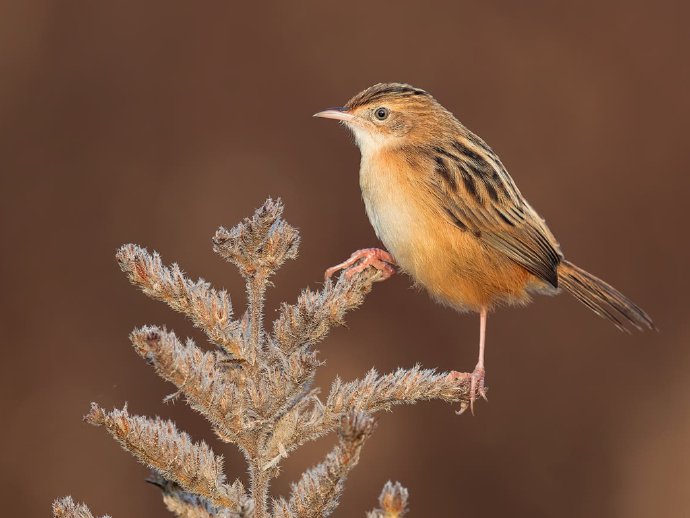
477, 385
477, 377
379, 259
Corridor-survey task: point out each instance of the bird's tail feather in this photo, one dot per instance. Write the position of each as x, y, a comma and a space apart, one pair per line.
602, 298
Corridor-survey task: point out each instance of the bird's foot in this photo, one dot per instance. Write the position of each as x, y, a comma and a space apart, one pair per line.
379, 259
477, 387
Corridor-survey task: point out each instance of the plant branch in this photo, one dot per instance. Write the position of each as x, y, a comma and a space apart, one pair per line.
189, 505
210, 383
316, 494
376, 392
209, 309
307, 322
159, 445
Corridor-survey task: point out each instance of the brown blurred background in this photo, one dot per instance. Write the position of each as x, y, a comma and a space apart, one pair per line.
155, 122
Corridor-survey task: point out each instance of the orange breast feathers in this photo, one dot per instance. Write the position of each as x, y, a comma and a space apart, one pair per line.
450, 263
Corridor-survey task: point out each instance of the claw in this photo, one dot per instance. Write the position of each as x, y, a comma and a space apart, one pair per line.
463, 407
453, 375
379, 259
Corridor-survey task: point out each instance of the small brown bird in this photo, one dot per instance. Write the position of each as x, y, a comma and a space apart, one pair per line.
451, 216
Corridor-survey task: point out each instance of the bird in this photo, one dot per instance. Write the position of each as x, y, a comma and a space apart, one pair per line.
451, 217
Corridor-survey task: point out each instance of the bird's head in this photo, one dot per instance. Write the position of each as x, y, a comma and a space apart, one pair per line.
391, 114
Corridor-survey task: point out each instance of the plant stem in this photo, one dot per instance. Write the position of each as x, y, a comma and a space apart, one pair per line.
256, 288
259, 490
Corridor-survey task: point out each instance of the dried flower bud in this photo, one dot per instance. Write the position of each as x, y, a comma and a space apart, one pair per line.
393, 500
260, 244
66, 508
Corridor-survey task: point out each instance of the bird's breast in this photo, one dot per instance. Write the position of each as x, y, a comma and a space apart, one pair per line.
390, 206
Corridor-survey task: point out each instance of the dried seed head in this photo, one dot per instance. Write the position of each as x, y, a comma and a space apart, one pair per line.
393, 500
260, 244
66, 508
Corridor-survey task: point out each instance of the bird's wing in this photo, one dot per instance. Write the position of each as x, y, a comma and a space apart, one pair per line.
476, 193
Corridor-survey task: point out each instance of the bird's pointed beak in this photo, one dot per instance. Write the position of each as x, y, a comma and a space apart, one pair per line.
341, 114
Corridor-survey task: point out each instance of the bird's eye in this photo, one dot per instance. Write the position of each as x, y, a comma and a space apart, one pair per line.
381, 113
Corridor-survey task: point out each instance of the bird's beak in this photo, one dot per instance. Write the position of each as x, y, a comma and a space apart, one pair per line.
341, 114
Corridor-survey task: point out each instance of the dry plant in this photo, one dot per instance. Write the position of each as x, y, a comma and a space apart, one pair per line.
255, 387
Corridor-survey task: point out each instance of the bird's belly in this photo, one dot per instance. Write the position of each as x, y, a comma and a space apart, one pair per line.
453, 265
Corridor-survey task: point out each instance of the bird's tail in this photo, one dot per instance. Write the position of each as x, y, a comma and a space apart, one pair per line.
605, 300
